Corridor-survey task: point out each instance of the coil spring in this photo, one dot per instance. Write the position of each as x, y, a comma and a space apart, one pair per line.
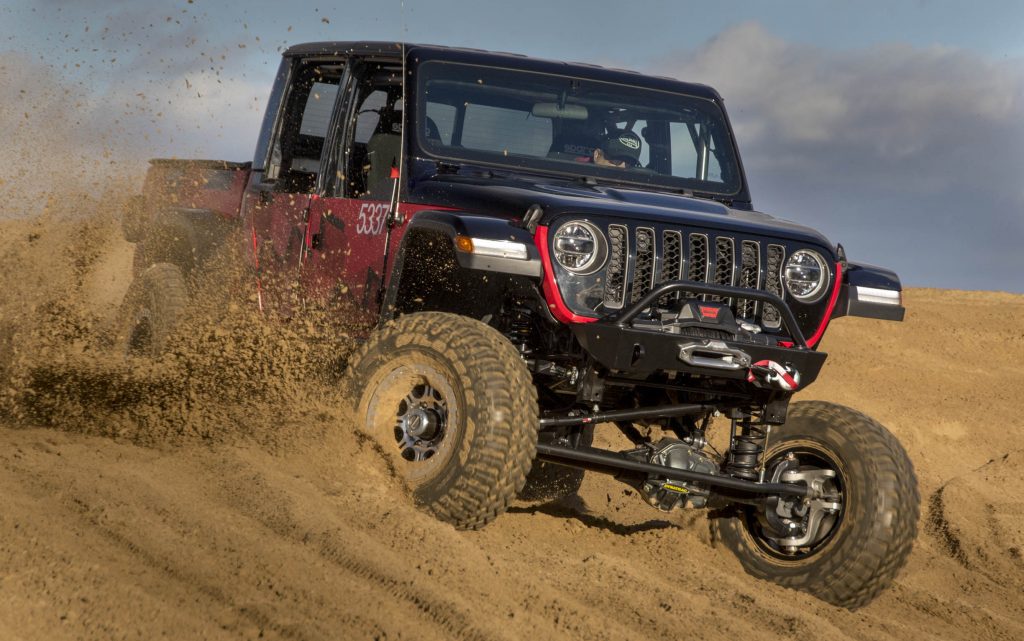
520, 328
745, 455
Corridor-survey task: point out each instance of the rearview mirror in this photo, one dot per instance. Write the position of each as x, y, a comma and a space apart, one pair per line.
553, 110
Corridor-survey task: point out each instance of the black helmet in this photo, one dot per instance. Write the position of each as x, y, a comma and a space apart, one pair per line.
622, 146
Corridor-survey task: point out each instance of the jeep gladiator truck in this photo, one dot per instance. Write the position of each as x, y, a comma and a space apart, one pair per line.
529, 248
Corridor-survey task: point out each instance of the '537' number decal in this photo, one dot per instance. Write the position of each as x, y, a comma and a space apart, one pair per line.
371, 218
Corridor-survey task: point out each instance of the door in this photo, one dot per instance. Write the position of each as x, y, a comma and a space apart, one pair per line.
278, 204
348, 227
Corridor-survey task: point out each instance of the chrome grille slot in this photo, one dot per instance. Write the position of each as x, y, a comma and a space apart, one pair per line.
725, 263
671, 263
750, 274
643, 272
700, 260
770, 317
618, 263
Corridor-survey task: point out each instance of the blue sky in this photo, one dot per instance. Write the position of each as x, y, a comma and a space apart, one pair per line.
897, 128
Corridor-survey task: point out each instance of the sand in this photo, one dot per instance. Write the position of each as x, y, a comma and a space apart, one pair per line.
222, 493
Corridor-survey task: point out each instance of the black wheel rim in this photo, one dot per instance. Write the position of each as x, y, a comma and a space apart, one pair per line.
414, 411
421, 422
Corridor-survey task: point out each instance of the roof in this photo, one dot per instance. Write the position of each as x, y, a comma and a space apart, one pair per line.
480, 56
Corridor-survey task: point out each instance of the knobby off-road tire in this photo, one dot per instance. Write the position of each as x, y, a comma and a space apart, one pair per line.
469, 383
877, 524
551, 482
154, 305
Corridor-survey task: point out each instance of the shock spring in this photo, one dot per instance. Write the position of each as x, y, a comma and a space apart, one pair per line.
745, 450
520, 326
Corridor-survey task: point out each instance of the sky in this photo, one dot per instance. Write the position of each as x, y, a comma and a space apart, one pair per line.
895, 128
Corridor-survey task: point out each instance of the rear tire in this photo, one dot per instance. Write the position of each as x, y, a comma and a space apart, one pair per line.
873, 533
152, 309
454, 404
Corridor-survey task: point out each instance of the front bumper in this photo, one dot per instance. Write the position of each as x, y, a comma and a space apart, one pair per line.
618, 343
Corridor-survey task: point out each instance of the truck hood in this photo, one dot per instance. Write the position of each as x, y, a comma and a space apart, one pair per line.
510, 197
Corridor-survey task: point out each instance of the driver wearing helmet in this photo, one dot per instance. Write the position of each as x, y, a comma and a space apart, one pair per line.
618, 149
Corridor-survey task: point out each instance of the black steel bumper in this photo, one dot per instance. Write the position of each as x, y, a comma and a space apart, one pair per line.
618, 343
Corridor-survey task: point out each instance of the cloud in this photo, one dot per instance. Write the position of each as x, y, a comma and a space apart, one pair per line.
911, 157
72, 135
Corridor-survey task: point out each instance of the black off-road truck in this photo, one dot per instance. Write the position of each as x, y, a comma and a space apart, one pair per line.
530, 248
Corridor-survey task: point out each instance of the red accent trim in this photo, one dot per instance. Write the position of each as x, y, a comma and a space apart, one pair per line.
550, 287
786, 344
813, 340
256, 264
255, 251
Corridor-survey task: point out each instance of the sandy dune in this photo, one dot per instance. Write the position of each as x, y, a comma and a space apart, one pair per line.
223, 495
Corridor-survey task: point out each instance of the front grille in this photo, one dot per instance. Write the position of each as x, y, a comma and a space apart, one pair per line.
643, 273
639, 258
618, 261
671, 263
771, 317
725, 264
699, 260
750, 272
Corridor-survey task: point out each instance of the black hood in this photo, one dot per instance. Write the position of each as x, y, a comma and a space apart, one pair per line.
510, 197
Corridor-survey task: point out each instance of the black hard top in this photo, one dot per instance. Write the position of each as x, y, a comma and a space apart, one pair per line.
492, 58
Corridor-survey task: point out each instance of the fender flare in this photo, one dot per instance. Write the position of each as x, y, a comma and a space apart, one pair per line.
451, 225
454, 224
870, 292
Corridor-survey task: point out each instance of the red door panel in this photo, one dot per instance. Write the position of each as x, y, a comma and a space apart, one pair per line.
346, 258
279, 226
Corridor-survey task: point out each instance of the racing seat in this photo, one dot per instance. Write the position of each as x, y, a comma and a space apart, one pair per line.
575, 140
432, 133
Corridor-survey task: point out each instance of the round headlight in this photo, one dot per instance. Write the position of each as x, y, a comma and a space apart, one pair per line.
580, 247
806, 275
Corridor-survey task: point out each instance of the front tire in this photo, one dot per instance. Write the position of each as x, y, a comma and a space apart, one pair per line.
451, 399
864, 544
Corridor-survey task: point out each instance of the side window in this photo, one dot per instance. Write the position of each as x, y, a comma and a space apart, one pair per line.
373, 143
368, 115
295, 154
316, 115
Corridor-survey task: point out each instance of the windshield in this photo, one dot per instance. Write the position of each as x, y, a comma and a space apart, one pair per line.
574, 126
